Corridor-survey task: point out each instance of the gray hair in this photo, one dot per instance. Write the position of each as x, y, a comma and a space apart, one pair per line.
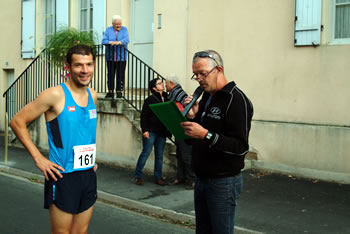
173, 78
217, 62
116, 17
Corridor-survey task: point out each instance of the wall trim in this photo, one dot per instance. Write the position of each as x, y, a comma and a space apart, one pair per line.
308, 173
301, 123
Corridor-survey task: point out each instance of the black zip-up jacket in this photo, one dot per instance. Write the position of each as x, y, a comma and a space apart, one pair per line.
228, 116
149, 121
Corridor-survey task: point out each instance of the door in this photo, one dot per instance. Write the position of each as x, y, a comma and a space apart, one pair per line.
12, 94
142, 29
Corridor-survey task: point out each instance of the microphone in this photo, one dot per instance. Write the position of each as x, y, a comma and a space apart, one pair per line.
197, 93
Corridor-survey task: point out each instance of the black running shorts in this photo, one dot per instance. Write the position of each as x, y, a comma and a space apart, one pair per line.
73, 193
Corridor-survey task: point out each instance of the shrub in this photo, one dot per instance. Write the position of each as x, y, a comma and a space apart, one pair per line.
64, 39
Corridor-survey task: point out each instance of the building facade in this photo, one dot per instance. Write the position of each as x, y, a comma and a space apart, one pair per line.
290, 57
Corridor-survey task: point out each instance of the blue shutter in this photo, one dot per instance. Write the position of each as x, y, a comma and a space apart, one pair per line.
99, 19
61, 14
307, 22
28, 28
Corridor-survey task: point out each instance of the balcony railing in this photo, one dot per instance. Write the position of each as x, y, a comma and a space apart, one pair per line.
42, 74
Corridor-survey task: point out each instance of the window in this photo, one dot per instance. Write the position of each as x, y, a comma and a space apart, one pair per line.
307, 22
28, 29
92, 15
342, 20
62, 10
86, 15
50, 23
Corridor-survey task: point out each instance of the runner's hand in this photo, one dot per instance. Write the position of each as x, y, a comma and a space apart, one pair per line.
49, 168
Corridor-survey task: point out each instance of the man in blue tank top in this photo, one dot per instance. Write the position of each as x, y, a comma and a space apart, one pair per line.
71, 117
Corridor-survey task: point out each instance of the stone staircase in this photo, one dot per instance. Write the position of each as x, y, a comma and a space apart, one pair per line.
122, 107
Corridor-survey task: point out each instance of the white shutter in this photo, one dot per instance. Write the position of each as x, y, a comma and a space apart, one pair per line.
99, 19
307, 22
61, 14
28, 28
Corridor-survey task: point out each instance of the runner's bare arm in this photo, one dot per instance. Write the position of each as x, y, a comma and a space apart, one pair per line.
45, 102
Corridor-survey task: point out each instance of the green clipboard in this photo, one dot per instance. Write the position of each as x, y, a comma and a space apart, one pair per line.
170, 115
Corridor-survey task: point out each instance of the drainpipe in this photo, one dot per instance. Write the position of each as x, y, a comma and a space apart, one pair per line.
6, 136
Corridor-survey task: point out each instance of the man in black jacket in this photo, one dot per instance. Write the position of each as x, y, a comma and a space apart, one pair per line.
220, 128
153, 133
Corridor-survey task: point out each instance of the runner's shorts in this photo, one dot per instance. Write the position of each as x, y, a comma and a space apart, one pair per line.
73, 193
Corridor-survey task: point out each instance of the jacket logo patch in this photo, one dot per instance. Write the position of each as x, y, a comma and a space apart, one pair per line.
215, 110
71, 108
214, 113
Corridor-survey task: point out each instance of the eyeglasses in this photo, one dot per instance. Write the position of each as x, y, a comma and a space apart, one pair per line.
158, 83
204, 76
204, 54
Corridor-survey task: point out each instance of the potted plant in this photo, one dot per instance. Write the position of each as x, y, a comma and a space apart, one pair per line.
64, 39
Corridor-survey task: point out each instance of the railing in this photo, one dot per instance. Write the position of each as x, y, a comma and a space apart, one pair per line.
42, 74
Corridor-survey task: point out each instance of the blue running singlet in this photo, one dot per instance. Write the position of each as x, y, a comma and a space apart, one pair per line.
72, 135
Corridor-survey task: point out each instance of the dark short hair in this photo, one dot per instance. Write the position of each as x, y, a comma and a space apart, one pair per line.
79, 49
153, 83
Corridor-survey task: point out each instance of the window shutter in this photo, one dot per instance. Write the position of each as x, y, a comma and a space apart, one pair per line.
99, 19
307, 22
61, 14
28, 28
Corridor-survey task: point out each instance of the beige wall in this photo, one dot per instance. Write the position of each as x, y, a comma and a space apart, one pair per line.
170, 42
285, 83
118, 7
10, 47
255, 38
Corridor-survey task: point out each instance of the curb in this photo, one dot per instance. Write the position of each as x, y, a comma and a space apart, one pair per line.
144, 207
21, 173
111, 198
125, 202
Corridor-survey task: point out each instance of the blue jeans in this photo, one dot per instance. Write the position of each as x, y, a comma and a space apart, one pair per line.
159, 143
215, 202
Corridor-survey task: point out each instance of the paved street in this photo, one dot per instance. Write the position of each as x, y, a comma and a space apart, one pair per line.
269, 202
21, 211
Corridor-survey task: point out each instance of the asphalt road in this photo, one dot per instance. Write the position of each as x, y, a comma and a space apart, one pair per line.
21, 211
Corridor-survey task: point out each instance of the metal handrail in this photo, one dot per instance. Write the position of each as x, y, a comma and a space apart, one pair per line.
41, 74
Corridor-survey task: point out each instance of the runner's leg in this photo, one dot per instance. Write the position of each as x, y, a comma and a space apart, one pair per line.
81, 221
60, 221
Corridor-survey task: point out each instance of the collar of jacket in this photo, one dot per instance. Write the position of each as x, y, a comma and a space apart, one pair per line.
164, 94
227, 89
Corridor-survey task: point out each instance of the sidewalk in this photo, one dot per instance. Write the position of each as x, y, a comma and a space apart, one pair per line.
269, 203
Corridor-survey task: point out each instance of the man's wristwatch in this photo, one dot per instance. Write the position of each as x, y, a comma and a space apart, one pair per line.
208, 136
